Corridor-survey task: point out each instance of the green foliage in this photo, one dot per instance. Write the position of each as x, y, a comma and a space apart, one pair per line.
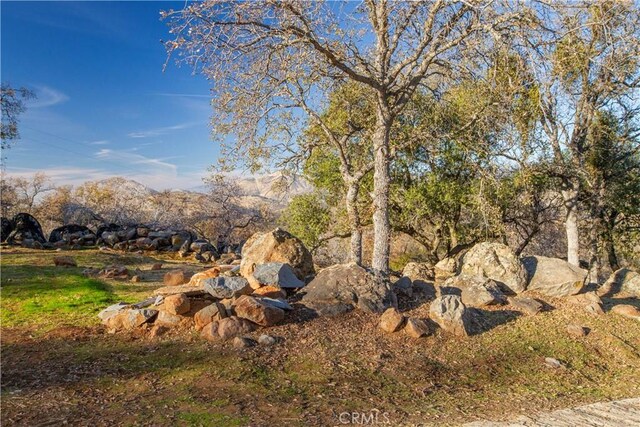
308, 218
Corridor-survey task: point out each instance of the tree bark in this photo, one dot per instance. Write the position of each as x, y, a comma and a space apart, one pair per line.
354, 221
381, 182
570, 199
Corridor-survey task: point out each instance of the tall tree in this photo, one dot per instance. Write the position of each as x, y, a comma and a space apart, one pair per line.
265, 57
584, 59
12, 104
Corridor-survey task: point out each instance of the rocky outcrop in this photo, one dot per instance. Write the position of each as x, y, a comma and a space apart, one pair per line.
275, 246
343, 287
623, 281
26, 231
553, 277
72, 234
495, 261
476, 291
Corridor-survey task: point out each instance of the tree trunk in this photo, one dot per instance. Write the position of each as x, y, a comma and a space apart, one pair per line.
381, 181
354, 221
570, 198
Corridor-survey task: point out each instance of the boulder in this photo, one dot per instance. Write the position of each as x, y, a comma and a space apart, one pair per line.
177, 304
258, 312
26, 228
495, 261
114, 272
168, 319
621, 281
276, 302
129, 318
276, 274
64, 261
210, 313
275, 246
417, 328
450, 313
210, 331
230, 327
176, 277
528, 306
156, 266
476, 291
553, 277
190, 291
110, 238
158, 331
112, 309
391, 320
198, 279
343, 287
227, 287
627, 310
70, 232
445, 268
419, 271
270, 291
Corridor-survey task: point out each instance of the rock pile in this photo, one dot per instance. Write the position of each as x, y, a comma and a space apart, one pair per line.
23, 230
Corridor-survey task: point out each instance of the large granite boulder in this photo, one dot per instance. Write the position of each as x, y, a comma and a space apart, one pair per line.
26, 228
495, 261
553, 277
621, 281
227, 287
66, 232
343, 287
277, 274
419, 271
275, 246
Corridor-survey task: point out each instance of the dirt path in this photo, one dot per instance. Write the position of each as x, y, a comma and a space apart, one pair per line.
610, 414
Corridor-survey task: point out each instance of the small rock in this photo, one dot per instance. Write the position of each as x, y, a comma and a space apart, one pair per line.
112, 310
553, 363
577, 330
190, 291
210, 331
176, 277
156, 266
243, 342
257, 311
129, 319
65, 261
626, 310
391, 320
227, 287
266, 340
589, 300
114, 272
416, 328
527, 305
136, 279
177, 304
233, 326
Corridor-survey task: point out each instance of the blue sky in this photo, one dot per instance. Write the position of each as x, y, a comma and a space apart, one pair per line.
105, 107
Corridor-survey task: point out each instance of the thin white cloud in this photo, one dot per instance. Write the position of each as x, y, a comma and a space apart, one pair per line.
159, 131
129, 158
101, 142
47, 97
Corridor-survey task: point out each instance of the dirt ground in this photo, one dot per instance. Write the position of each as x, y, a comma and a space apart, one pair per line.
62, 368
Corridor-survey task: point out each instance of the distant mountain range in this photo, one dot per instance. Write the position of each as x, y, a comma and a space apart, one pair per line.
274, 189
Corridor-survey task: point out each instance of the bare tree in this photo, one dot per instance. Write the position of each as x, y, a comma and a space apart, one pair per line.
263, 57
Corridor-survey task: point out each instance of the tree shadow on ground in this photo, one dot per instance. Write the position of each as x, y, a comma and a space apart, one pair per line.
485, 320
